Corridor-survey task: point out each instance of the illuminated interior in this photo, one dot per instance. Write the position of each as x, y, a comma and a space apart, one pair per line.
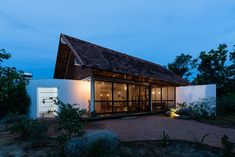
113, 97
163, 98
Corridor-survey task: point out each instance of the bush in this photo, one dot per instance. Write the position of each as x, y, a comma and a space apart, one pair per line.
97, 149
13, 95
200, 142
227, 146
70, 121
203, 109
226, 104
28, 129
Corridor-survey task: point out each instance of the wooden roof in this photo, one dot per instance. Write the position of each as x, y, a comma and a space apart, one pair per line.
97, 57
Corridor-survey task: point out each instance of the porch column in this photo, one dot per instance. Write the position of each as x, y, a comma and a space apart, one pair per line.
92, 99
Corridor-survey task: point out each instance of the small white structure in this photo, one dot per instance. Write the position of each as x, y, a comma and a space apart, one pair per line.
191, 94
43, 92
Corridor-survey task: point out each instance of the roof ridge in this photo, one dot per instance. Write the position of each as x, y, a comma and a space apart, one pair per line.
72, 48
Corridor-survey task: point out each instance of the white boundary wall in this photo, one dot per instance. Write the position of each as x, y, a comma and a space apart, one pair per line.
69, 91
190, 94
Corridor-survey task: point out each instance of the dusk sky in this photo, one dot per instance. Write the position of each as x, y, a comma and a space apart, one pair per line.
150, 29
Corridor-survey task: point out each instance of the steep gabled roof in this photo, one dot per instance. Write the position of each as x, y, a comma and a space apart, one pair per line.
94, 56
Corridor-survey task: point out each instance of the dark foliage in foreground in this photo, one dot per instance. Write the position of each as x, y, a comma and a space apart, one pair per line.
28, 129
70, 121
13, 95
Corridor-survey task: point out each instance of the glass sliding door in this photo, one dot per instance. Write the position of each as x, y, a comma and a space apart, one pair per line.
114, 97
103, 97
144, 98
119, 97
163, 98
156, 99
138, 98
171, 96
133, 102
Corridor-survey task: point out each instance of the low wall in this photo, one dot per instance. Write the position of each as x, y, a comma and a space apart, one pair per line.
69, 91
190, 94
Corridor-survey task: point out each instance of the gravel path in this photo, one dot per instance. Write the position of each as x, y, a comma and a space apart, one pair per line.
151, 128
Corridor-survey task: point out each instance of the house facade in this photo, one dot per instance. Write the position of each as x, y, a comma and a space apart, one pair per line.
119, 82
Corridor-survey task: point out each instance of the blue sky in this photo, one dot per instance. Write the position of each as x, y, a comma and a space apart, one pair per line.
150, 29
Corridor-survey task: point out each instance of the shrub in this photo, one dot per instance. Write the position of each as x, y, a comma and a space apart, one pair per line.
227, 146
28, 129
70, 120
199, 142
181, 109
226, 104
205, 108
13, 95
11, 118
164, 139
97, 149
181, 105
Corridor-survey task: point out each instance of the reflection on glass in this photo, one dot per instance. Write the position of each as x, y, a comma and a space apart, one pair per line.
164, 93
171, 93
120, 106
103, 107
163, 98
133, 104
103, 91
119, 92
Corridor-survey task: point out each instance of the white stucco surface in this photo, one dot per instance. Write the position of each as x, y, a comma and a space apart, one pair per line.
190, 94
69, 91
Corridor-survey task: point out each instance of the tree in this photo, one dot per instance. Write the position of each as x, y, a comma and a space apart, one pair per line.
183, 65
13, 95
212, 69
231, 72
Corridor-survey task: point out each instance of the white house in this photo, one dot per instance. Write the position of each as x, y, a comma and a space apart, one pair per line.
109, 82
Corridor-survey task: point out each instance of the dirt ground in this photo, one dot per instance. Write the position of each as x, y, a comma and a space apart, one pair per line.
176, 148
139, 137
151, 127
12, 146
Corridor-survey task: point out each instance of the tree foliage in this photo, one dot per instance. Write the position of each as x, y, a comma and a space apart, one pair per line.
13, 96
216, 66
70, 120
183, 65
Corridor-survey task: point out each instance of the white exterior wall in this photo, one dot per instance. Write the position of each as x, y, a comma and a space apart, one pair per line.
190, 94
69, 91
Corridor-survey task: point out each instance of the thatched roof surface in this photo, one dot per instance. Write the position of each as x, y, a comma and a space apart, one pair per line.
94, 56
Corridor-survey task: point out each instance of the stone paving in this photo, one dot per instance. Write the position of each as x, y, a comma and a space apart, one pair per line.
151, 128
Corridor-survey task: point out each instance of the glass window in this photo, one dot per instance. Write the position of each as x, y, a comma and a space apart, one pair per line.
144, 93
120, 106
103, 107
171, 93
164, 93
156, 105
133, 93
156, 93
103, 91
120, 92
